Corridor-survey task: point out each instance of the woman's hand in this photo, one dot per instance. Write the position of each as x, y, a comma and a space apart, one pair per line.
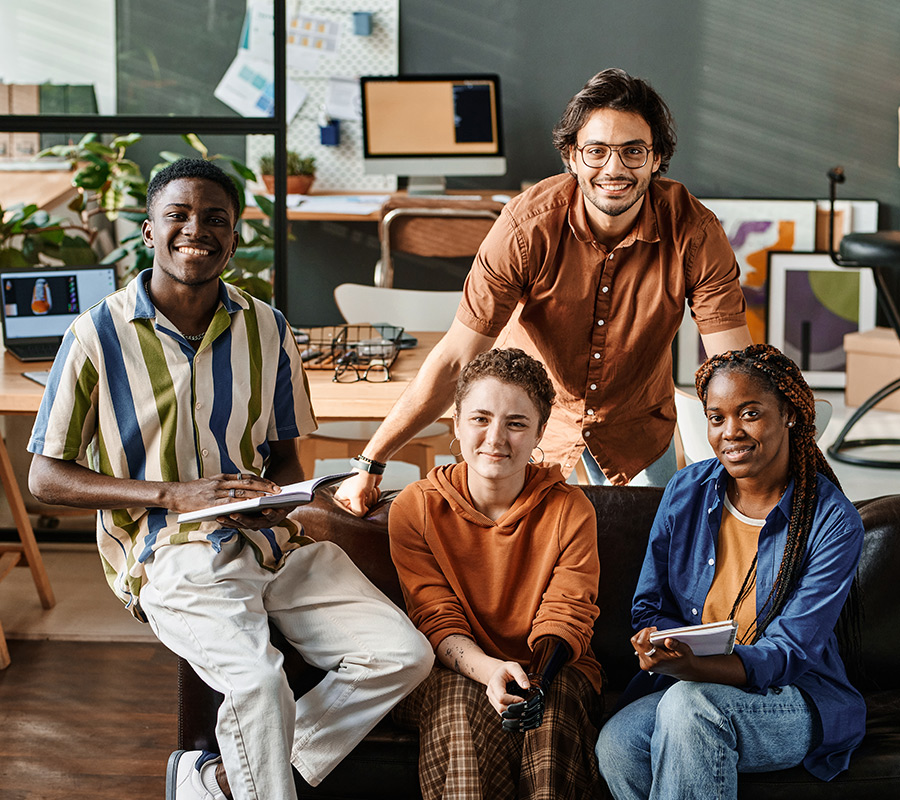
506, 672
670, 658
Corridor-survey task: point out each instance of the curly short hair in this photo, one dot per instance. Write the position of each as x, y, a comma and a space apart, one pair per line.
509, 366
193, 168
617, 90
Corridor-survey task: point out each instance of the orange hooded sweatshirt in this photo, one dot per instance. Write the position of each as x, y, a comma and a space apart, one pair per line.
534, 572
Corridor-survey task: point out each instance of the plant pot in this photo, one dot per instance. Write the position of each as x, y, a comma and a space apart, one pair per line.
296, 184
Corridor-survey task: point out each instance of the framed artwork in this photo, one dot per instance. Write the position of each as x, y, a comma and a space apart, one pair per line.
753, 227
812, 304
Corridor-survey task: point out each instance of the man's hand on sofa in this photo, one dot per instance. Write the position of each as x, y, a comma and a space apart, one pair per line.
359, 493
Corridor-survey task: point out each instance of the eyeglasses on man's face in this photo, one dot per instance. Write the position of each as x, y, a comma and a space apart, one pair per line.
596, 155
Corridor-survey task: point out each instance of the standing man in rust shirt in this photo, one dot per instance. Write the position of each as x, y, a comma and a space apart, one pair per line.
589, 271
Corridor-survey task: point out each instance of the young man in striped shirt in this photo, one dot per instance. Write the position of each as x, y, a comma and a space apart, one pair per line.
179, 392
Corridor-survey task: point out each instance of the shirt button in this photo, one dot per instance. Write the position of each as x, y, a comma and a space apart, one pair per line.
593, 386
590, 412
204, 452
611, 255
605, 289
596, 355
711, 562
587, 434
694, 611
199, 405
600, 322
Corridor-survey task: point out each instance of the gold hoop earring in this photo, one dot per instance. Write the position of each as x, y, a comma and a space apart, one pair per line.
536, 447
450, 448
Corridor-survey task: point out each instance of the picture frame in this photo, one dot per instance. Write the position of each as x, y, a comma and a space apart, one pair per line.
753, 227
812, 305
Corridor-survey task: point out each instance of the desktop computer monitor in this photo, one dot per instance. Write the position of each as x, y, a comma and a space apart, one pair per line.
426, 127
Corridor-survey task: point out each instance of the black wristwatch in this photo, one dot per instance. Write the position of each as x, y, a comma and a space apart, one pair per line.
370, 465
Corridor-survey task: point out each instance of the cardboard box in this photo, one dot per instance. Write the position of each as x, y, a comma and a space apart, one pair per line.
24, 99
5, 136
873, 361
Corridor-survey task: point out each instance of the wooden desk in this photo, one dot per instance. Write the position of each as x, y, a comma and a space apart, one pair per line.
45, 188
298, 215
334, 401
19, 395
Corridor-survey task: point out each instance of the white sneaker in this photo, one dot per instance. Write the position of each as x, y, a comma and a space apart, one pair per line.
183, 780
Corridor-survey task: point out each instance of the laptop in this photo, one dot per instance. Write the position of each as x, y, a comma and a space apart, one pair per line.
37, 305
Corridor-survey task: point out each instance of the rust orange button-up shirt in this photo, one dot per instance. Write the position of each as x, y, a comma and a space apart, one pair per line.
603, 322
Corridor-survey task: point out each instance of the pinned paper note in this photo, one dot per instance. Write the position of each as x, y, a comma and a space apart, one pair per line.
248, 87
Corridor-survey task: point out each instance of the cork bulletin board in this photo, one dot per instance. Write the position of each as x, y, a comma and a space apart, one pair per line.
322, 46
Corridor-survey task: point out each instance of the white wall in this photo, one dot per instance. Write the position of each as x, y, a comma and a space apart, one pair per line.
63, 41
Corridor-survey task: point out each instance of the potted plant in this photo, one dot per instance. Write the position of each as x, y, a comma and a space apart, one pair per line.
301, 172
112, 185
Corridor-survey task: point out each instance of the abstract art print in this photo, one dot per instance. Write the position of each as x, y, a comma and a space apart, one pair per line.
753, 228
813, 304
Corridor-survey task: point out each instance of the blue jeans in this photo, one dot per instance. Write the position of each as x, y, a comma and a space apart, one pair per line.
657, 474
692, 740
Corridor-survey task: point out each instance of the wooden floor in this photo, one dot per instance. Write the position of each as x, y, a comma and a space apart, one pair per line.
86, 720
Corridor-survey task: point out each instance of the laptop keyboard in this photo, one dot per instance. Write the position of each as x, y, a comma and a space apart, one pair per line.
39, 351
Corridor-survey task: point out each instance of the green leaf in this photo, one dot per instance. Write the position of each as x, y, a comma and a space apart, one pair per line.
127, 140
55, 237
133, 216
243, 170
77, 203
10, 258
170, 157
194, 141
87, 138
265, 204
257, 287
100, 149
116, 255
75, 250
93, 175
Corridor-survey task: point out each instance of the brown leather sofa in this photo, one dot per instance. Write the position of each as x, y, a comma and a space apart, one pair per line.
384, 765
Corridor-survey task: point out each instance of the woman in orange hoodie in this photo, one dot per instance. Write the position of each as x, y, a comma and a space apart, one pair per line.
498, 562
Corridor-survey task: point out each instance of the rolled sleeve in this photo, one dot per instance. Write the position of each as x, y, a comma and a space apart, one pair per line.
713, 276
496, 281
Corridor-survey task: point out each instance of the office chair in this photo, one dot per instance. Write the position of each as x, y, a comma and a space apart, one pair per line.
879, 252
434, 227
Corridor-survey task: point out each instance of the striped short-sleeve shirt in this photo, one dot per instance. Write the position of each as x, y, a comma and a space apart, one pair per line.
129, 397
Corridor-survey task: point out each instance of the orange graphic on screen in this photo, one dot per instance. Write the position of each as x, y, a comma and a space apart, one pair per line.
41, 302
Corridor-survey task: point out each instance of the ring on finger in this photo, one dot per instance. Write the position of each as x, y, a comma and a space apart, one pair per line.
650, 652
231, 492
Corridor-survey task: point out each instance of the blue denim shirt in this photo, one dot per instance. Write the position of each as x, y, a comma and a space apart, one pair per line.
799, 646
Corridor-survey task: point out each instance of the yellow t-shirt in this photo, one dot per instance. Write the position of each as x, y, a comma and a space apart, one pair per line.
737, 545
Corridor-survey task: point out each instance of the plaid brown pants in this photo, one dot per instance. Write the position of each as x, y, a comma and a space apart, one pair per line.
465, 754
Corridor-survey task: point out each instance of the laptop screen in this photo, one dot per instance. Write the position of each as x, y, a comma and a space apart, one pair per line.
42, 303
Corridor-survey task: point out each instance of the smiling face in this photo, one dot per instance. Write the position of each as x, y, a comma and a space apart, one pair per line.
613, 190
498, 427
747, 427
191, 230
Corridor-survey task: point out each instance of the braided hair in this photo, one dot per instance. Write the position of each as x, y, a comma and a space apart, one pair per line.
782, 377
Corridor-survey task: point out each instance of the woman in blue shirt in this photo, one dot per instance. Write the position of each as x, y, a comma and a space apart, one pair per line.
762, 535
